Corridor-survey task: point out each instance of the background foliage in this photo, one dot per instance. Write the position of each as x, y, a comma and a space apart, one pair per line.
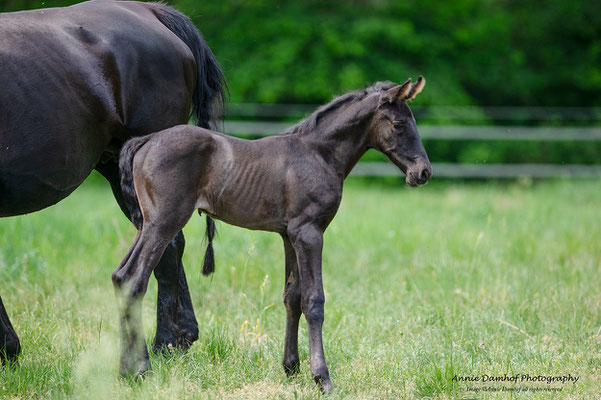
474, 52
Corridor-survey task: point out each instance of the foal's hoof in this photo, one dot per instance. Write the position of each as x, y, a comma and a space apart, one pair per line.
140, 373
291, 367
144, 369
325, 384
139, 369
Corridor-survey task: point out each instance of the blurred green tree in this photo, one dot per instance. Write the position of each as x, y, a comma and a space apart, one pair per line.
473, 52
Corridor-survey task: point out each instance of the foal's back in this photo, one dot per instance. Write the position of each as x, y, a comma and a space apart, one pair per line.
249, 183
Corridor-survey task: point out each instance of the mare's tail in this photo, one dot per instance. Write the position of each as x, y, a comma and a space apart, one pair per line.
126, 160
208, 264
210, 90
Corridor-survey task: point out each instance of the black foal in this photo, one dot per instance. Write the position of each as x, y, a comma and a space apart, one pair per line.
290, 184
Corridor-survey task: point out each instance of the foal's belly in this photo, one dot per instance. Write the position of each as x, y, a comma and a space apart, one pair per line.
255, 214
270, 225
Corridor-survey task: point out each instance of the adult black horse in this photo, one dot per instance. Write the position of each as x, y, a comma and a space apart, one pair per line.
75, 84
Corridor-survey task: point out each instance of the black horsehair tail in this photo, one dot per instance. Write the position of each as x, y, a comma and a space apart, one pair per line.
131, 199
126, 160
211, 88
208, 265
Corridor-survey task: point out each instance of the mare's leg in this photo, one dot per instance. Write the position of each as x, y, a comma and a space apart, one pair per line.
176, 323
9, 342
292, 301
307, 241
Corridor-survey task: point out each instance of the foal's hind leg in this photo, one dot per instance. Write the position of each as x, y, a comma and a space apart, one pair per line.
164, 217
131, 280
132, 360
176, 323
292, 301
9, 342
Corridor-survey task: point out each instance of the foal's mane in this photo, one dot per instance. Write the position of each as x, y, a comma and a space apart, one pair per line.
311, 122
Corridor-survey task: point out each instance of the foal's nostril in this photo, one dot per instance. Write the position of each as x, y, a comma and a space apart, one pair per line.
425, 174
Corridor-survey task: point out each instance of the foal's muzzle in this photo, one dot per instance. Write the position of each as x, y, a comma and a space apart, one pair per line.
418, 176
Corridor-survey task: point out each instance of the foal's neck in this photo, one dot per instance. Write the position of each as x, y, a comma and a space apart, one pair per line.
341, 138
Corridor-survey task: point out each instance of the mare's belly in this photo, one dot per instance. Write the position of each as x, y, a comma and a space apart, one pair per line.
26, 193
35, 176
21, 194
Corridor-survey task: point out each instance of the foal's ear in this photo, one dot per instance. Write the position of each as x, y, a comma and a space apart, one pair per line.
395, 93
416, 89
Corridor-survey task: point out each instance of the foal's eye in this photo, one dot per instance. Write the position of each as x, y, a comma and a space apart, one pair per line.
399, 125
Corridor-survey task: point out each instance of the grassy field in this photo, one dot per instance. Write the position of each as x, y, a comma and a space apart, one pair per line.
421, 285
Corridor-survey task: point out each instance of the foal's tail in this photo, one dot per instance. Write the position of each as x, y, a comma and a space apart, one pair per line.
126, 167
126, 160
208, 264
211, 88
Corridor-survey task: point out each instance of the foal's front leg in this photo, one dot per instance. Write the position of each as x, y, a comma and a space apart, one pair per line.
292, 301
307, 241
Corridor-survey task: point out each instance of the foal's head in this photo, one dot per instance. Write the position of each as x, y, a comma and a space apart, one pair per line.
394, 133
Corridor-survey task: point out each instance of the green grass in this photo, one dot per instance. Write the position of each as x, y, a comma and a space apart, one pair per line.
421, 285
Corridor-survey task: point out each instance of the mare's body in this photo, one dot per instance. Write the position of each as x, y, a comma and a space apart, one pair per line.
77, 82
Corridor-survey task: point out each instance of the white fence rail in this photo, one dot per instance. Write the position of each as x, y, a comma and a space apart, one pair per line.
445, 132
256, 120
476, 171
447, 113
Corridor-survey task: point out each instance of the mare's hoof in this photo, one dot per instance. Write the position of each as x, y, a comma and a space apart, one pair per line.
10, 357
183, 341
325, 384
162, 346
9, 362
